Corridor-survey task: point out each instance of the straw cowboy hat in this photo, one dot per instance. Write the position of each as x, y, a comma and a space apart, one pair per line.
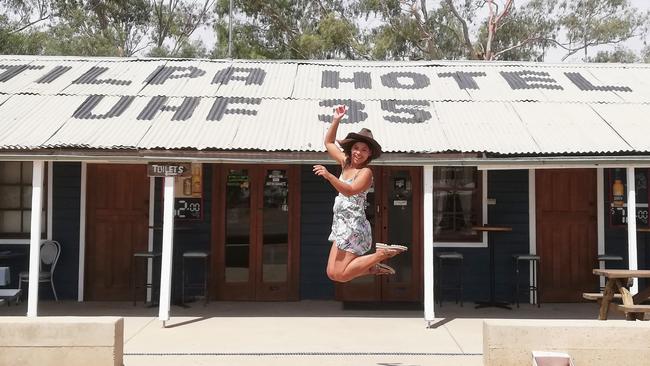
365, 135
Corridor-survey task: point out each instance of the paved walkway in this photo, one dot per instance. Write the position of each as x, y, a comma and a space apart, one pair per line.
304, 333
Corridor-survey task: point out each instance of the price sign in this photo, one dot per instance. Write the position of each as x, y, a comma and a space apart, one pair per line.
187, 208
188, 194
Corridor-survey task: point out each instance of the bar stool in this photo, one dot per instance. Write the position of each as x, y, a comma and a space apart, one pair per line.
452, 260
134, 274
200, 286
532, 288
603, 259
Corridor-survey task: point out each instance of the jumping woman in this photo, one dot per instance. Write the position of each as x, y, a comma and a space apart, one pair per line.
351, 234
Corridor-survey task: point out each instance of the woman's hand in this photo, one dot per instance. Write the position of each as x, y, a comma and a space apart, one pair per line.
321, 171
339, 112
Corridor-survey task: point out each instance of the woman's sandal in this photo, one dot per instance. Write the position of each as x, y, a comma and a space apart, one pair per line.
383, 269
395, 247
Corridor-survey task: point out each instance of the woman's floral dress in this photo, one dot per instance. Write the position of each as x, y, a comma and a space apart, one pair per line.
351, 230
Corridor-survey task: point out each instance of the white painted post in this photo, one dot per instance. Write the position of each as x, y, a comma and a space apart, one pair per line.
82, 232
35, 238
50, 204
600, 217
532, 229
167, 250
429, 314
152, 189
631, 227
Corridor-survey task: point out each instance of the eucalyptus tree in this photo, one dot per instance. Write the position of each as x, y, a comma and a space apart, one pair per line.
289, 29
498, 29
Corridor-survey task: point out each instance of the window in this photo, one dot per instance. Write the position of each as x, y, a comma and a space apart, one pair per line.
617, 197
16, 199
457, 204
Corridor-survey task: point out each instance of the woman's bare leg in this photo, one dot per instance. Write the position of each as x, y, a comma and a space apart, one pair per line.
360, 266
344, 266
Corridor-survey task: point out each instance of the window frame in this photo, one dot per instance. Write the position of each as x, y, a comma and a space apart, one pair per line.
24, 237
482, 243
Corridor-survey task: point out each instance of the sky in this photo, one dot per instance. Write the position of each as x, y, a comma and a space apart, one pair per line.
207, 35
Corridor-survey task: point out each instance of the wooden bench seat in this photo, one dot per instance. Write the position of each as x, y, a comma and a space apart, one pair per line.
598, 296
634, 311
634, 308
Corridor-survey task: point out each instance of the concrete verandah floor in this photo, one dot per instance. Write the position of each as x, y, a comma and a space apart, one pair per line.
304, 333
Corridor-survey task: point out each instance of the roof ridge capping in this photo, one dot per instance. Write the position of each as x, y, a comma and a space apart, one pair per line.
330, 62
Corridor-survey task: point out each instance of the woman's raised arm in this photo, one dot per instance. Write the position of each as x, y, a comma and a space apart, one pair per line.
333, 150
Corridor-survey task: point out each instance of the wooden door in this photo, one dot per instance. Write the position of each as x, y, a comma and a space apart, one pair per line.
116, 226
566, 232
395, 213
257, 232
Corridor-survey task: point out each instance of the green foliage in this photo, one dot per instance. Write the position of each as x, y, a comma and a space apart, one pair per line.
589, 23
620, 54
323, 29
645, 54
289, 29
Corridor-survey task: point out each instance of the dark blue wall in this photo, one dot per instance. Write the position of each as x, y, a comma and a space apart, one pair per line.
510, 189
189, 235
65, 229
317, 199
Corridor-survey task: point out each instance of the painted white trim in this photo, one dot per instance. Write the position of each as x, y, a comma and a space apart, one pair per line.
152, 188
600, 217
532, 212
14, 241
532, 228
429, 300
484, 198
35, 238
82, 232
167, 250
50, 190
631, 227
48, 213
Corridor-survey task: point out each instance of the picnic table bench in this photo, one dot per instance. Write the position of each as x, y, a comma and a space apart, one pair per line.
616, 287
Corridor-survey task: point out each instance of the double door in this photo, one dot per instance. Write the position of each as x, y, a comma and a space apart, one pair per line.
256, 226
395, 212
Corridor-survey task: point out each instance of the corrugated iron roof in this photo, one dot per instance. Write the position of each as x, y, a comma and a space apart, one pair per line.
412, 107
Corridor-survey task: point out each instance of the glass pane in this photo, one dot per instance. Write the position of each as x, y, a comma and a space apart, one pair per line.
456, 201
237, 245
275, 246
400, 223
27, 173
10, 197
454, 177
10, 172
10, 221
27, 197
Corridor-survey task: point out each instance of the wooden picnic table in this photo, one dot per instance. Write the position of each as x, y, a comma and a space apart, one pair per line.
617, 282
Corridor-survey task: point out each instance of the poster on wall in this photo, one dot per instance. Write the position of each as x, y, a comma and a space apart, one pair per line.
618, 197
188, 195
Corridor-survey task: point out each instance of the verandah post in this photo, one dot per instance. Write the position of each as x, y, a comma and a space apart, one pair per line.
35, 238
167, 250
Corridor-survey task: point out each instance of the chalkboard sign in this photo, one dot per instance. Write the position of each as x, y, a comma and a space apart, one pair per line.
188, 194
188, 208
